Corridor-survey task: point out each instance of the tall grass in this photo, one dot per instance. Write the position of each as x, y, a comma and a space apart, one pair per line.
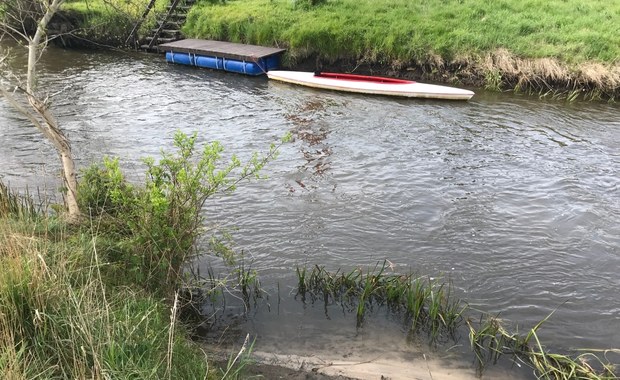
60, 319
12, 203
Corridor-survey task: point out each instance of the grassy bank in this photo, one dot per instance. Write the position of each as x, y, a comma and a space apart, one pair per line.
60, 317
564, 45
102, 298
105, 23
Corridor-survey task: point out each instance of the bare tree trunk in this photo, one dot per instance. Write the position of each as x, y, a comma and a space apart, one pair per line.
42, 118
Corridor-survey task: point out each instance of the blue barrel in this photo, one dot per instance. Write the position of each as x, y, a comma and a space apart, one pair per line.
242, 67
182, 58
233, 65
209, 62
272, 62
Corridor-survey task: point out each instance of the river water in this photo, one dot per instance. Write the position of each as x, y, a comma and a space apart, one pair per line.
513, 198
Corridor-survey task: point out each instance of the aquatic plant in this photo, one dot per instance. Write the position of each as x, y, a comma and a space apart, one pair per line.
425, 303
490, 340
429, 306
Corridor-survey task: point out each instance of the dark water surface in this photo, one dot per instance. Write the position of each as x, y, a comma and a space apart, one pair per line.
516, 199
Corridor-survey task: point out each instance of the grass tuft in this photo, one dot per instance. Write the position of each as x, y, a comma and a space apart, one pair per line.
426, 304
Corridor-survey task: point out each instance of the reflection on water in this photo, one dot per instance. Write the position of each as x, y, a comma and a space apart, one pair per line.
515, 199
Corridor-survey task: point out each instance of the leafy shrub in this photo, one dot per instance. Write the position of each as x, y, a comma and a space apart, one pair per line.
150, 231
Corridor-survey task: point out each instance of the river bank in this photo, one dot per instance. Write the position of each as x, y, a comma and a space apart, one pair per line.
261, 88
557, 47
563, 49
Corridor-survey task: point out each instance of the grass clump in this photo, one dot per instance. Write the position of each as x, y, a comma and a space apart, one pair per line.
15, 204
490, 340
426, 304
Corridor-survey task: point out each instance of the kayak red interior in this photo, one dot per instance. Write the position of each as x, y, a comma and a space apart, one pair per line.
362, 78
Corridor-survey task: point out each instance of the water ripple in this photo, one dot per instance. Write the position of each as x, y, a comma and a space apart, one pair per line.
516, 199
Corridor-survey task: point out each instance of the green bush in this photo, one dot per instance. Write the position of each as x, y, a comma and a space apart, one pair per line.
149, 232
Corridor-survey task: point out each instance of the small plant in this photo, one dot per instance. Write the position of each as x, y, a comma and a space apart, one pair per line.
493, 80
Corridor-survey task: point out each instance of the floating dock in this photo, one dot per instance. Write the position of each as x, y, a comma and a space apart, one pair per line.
227, 56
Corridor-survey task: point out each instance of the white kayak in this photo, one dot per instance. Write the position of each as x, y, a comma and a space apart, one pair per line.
370, 85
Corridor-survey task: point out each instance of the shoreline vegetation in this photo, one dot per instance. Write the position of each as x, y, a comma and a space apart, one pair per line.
558, 48
120, 292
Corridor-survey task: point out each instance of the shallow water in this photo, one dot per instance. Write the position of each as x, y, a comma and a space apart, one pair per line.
515, 199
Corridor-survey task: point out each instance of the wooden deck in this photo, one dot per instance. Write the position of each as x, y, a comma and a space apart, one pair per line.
228, 50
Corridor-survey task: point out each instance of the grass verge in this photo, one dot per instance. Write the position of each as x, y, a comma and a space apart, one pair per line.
106, 22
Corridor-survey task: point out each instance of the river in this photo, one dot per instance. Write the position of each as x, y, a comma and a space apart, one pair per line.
515, 199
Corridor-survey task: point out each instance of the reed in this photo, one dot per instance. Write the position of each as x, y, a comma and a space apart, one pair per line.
427, 304
11, 203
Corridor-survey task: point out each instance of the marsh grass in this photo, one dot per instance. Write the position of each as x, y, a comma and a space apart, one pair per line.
426, 304
429, 306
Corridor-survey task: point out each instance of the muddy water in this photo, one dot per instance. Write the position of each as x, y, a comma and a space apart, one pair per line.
515, 199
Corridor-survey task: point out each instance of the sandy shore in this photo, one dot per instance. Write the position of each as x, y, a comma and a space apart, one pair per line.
362, 367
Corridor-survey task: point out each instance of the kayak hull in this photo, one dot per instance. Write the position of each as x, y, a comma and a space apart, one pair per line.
370, 85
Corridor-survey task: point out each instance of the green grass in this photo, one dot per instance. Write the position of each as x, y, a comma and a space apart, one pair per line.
61, 319
490, 340
110, 22
570, 30
562, 47
429, 306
